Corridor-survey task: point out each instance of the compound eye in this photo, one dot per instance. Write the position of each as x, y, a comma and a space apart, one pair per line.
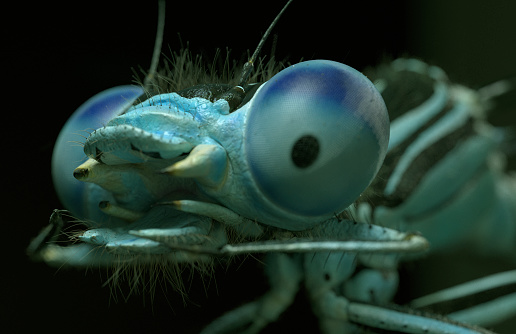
67, 155
316, 135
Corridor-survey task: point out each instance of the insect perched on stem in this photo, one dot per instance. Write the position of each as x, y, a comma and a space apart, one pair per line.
293, 167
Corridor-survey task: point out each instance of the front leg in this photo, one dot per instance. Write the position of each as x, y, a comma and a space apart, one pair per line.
285, 274
324, 272
338, 314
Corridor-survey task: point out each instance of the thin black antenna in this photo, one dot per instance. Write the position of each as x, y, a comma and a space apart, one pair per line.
157, 45
248, 67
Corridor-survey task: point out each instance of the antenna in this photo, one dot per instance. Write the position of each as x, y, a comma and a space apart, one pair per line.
157, 45
249, 65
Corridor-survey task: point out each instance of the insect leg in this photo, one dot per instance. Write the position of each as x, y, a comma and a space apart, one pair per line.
243, 225
406, 321
484, 314
284, 276
44, 248
328, 276
489, 313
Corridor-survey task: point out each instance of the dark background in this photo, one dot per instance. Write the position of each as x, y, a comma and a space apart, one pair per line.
54, 57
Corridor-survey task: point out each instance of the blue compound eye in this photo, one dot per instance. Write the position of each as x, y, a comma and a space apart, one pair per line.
67, 155
316, 135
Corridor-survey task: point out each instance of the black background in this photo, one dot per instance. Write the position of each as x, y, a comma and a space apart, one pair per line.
54, 57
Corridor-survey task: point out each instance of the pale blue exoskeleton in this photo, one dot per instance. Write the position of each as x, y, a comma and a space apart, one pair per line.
321, 102
326, 143
283, 159
170, 176
201, 158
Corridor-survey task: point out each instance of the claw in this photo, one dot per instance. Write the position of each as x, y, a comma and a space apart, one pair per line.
137, 245
98, 236
174, 236
208, 163
221, 214
133, 187
108, 177
119, 212
121, 242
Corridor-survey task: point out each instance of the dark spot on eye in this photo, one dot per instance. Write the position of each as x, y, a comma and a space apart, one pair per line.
326, 277
305, 151
155, 155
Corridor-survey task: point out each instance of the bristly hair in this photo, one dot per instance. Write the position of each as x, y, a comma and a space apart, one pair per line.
184, 69
180, 70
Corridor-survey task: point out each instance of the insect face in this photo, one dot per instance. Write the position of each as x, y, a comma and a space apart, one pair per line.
303, 148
